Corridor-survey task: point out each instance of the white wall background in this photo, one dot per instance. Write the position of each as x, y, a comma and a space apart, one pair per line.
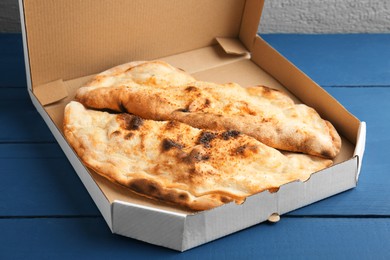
286, 16
326, 16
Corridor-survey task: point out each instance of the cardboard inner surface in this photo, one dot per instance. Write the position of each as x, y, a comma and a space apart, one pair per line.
217, 67
101, 32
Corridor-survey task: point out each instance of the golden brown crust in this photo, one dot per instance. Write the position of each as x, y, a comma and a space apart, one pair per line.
172, 162
156, 90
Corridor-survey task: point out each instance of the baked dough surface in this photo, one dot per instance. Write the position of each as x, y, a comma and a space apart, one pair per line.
155, 90
173, 162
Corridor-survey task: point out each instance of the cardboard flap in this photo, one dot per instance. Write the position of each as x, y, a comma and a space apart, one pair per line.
51, 92
203, 59
360, 146
232, 46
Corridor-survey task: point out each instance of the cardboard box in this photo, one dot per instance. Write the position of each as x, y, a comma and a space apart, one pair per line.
66, 42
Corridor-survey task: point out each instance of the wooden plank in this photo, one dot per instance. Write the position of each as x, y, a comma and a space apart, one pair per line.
296, 238
20, 122
12, 69
29, 151
371, 196
339, 59
38, 180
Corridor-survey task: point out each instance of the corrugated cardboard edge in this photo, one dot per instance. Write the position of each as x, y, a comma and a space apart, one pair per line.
25, 47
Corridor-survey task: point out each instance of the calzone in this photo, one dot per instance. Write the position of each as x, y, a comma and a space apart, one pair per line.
156, 90
176, 163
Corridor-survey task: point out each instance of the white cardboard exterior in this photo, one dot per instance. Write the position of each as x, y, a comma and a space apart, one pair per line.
181, 231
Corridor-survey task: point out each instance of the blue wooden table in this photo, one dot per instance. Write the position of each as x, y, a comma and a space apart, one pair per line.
45, 212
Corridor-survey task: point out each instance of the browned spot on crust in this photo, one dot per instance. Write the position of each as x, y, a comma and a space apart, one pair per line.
196, 155
245, 108
136, 122
241, 149
142, 138
251, 112
185, 110
205, 138
266, 120
326, 154
230, 134
245, 150
128, 136
225, 199
279, 130
115, 133
155, 190
192, 171
129, 69
267, 90
122, 108
168, 144
130, 122
146, 187
273, 190
171, 124
183, 196
191, 88
98, 78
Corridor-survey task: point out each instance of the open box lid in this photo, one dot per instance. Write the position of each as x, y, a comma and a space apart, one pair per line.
100, 32
69, 39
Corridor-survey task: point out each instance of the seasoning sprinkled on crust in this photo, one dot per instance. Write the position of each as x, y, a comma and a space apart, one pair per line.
192, 143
